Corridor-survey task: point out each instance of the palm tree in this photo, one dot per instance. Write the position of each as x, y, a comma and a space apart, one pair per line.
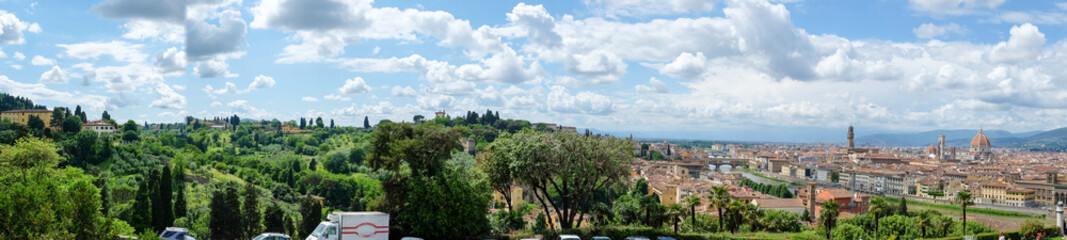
734, 211
877, 206
719, 198
752, 215
692, 202
828, 216
923, 221
649, 204
675, 212
963, 199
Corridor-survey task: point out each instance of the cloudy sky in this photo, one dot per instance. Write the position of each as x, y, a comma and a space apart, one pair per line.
719, 69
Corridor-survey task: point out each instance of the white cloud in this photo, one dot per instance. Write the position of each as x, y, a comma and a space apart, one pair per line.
336, 97
686, 66
178, 87
560, 100
405, 91
626, 8
261, 82
119, 50
204, 41
354, 86
654, 86
56, 75
139, 29
953, 7
324, 27
16, 66
309, 99
930, 30
38, 60
19, 56
216, 67
125, 79
600, 66
538, 23
216, 104
38, 92
11, 28
228, 88
1023, 45
171, 62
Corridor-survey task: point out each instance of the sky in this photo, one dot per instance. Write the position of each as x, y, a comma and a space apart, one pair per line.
789, 70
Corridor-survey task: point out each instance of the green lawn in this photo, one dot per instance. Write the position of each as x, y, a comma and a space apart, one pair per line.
946, 207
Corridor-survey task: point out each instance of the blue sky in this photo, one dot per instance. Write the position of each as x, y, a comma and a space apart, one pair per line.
722, 69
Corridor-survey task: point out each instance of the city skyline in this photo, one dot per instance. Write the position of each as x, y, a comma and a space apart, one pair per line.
678, 69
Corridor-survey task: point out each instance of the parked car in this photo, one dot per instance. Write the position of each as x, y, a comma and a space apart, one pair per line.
601, 238
664, 238
175, 233
637, 238
569, 237
272, 236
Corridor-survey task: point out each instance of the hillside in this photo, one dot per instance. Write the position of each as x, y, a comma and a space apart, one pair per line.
1052, 140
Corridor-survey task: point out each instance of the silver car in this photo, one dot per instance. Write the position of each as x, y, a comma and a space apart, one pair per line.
272, 236
175, 233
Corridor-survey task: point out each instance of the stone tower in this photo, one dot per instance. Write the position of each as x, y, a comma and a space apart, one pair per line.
851, 144
941, 147
811, 195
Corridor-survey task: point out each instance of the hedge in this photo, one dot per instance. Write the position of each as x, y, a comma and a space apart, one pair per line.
1050, 231
623, 232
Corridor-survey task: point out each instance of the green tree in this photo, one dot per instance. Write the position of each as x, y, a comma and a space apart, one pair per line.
336, 163
130, 125
923, 221
273, 219
366, 122
902, 209
311, 211
719, 198
72, 124
312, 165
898, 227
250, 215
105, 116
225, 213
649, 205
355, 156
963, 199
877, 206
828, 217
162, 208
319, 123
675, 212
692, 202
571, 165
774, 220
640, 187
848, 232
180, 205
142, 208
35, 123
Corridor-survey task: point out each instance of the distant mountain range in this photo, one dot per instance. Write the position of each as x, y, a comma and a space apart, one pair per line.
1053, 140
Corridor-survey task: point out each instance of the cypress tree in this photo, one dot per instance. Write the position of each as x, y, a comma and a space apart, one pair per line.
250, 212
142, 208
179, 202
311, 165
225, 214
312, 213
162, 209
366, 122
105, 197
273, 219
